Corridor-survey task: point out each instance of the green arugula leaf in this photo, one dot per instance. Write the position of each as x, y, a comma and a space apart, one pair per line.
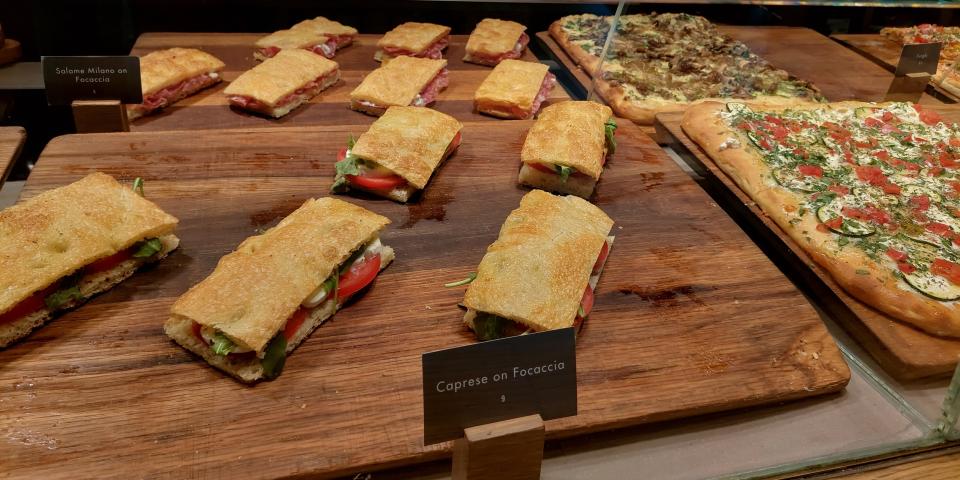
340, 185
470, 278
138, 186
148, 248
275, 356
347, 166
487, 327
351, 142
608, 129
222, 345
564, 172
62, 296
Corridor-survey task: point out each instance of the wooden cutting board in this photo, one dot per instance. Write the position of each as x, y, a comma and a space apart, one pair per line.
884, 53
903, 351
209, 108
689, 315
11, 141
839, 73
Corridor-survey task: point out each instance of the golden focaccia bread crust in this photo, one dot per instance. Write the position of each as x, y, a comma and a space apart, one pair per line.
398, 82
877, 287
493, 37
164, 68
582, 57
293, 38
281, 75
413, 37
512, 83
410, 141
325, 26
51, 235
571, 134
537, 270
288, 262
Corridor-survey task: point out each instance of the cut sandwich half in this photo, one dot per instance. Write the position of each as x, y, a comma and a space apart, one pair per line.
413, 39
541, 272
401, 82
306, 268
398, 155
567, 147
514, 89
494, 41
167, 76
282, 83
66, 245
269, 46
339, 35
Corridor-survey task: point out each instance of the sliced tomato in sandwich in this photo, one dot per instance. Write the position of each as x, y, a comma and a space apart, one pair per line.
358, 276
377, 182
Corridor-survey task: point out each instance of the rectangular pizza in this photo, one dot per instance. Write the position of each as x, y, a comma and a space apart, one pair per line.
665, 62
948, 75
870, 191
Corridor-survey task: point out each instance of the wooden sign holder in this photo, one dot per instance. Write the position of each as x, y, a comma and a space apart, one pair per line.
507, 450
907, 88
98, 116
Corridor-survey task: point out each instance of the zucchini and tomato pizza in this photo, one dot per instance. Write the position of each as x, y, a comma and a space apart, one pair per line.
870, 191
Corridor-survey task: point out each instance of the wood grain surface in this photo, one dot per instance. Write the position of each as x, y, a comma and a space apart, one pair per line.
942, 467
839, 73
884, 53
209, 108
689, 315
903, 351
11, 141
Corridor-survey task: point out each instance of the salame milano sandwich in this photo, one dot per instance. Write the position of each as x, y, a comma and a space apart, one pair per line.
282, 83
68, 244
541, 272
567, 147
401, 82
167, 76
494, 41
514, 89
266, 297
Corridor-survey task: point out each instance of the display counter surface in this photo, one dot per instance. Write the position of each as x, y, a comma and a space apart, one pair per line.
209, 108
11, 141
905, 352
689, 314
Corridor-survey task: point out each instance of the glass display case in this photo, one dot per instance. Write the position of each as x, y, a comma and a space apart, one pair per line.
778, 300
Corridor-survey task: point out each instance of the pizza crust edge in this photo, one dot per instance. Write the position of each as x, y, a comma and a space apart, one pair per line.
878, 288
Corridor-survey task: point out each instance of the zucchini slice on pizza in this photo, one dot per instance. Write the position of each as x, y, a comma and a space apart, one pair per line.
541, 272
514, 89
401, 82
398, 155
567, 147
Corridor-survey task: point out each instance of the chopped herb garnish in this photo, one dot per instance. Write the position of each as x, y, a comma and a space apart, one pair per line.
138, 186
861, 271
470, 278
148, 248
222, 345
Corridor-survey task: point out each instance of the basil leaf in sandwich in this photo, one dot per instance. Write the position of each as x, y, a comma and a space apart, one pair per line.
222, 345
67, 291
487, 327
564, 172
348, 166
148, 248
274, 356
608, 129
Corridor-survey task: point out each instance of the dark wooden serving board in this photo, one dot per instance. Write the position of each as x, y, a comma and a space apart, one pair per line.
839, 73
11, 141
905, 352
689, 315
209, 108
884, 53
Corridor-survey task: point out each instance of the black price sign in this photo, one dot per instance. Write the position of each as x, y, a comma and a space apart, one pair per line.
498, 380
918, 58
91, 78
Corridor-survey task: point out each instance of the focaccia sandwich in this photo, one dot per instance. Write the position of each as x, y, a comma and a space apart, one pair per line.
567, 146
268, 295
541, 272
397, 156
68, 244
413, 39
282, 83
270, 45
514, 89
494, 41
401, 82
167, 76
